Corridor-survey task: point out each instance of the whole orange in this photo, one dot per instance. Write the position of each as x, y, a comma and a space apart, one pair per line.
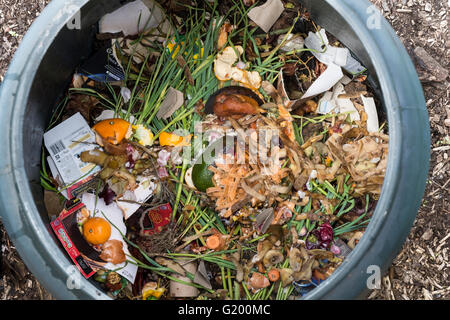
96, 230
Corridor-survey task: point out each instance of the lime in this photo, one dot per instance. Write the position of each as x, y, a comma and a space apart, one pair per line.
202, 176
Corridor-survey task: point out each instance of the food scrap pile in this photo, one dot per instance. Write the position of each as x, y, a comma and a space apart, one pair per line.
206, 151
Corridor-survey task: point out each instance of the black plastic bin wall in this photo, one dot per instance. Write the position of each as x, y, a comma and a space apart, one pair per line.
42, 69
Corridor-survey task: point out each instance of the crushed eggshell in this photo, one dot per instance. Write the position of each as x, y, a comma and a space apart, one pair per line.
230, 55
222, 70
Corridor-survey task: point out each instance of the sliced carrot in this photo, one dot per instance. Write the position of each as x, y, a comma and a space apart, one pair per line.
273, 275
214, 242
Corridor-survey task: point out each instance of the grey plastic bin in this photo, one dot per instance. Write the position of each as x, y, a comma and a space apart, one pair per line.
42, 69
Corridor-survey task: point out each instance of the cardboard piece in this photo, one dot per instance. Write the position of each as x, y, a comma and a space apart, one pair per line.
126, 18
201, 276
155, 219
181, 290
173, 101
267, 14
68, 233
86, 257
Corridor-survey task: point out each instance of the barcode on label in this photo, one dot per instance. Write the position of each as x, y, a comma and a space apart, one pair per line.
57, 147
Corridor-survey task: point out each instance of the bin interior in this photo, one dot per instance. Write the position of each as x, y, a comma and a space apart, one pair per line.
71, 47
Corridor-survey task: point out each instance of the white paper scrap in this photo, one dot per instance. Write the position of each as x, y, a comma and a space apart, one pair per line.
345, 80
96, 206
293, 42
141, 194
353, 66
326, 104
346, 105
325, 82
372, 114
323, 51
337, 90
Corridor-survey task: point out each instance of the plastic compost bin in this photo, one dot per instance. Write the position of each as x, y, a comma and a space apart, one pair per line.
42, 69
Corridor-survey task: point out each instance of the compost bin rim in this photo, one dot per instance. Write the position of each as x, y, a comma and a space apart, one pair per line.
52, 20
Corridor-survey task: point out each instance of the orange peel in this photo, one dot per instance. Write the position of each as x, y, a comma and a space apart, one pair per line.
113, 130
174, 140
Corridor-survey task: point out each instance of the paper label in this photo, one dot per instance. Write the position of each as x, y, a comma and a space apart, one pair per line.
65, 143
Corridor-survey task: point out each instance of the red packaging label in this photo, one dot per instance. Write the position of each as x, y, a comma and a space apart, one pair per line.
70, 248
156, 219
67, 230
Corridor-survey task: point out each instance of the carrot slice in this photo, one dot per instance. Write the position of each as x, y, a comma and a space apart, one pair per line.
215, 242
273, 275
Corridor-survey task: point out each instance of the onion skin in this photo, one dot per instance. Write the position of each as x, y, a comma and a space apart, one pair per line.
113, 252
258, 281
